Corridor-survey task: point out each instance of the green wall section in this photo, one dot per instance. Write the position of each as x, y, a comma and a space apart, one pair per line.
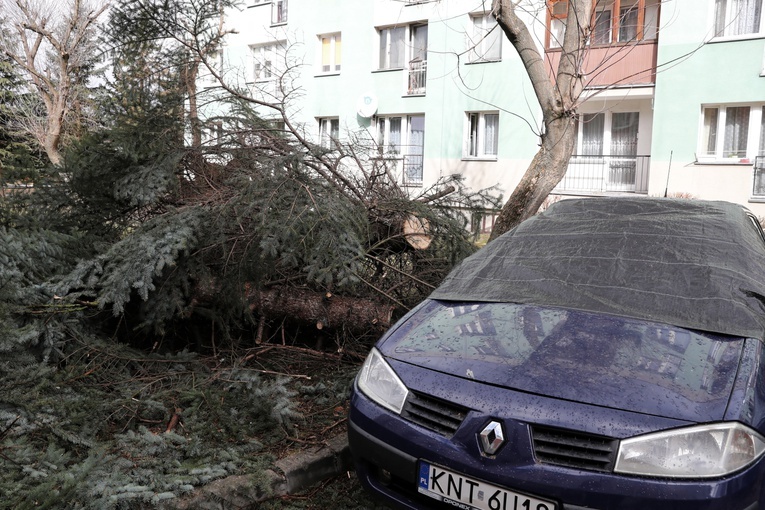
692, 73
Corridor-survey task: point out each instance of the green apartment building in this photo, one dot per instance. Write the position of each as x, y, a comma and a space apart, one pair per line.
673, 101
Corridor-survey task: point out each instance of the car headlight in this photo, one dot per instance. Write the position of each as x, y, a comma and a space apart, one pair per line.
693, 452
379, 382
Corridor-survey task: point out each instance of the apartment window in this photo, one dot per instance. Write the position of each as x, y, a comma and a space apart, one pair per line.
592, 129
737, 17
617, 131
389, 135
331, 47
628, 23
278, 12
403, 137
629, 26
214, 132
329, 131
731, 133
392, 47
485, 45
482, 135
414, 158
267, 60
601, 27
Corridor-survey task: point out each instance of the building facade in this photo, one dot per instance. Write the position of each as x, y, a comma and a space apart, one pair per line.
709, 135
673, 103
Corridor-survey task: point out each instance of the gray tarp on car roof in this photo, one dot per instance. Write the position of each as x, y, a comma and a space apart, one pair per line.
691, 263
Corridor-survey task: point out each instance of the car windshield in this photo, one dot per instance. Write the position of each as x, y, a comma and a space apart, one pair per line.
534, 342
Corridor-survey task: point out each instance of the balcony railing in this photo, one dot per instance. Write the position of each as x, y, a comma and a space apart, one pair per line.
758, 182
416, 77
614, 65
412, 174
604, 174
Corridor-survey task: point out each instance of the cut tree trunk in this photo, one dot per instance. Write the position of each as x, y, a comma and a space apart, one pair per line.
323, 310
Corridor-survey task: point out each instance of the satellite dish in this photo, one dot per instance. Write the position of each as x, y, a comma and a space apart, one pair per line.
367, 105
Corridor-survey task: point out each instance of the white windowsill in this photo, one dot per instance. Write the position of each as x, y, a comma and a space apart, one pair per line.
480, 158
731, 38
725, 162
478, 62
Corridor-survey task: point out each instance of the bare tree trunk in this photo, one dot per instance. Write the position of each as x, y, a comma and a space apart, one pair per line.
558, 100
51, 51
545, 171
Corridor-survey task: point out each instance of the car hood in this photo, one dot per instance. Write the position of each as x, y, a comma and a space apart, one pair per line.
645, 368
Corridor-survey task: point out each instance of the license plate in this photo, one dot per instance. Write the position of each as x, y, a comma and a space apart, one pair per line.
468, 493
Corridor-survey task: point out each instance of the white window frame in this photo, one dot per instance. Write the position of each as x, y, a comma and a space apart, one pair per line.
384, 35
475, 136
267, 61
718, 154
483, 39
727, 26
278, 12
404, 148
333, 66
329, 131
383, 135
609, 35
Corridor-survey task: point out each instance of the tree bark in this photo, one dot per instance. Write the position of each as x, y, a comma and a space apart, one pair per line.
322, 310
558, 100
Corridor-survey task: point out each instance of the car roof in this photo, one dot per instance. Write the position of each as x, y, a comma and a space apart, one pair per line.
690, 263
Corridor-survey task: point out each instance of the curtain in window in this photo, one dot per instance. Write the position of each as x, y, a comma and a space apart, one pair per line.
486, 42
592, 134
420, 42
762, 134
601, 31
746, 15
338, 52
709, 136
473, 140
720, 8
624, 134
628, 21
380, 134
651, 22
736, 132
326, 46
392, 48
394, 139
491, 134
414, 159
737, 17
279, 11
557, 29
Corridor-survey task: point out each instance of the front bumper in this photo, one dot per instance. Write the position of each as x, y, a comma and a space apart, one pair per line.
386, 450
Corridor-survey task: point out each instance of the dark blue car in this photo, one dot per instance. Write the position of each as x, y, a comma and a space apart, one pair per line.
606, 354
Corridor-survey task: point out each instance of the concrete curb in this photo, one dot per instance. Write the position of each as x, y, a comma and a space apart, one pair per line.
305, 469
290, 475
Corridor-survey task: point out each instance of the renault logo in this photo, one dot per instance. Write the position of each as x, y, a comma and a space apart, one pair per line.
492, 438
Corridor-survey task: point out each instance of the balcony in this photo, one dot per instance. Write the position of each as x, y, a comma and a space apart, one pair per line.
758, 182
416, 76
412, 170
617, 64
606, 174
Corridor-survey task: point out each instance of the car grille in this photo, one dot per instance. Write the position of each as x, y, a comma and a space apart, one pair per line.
574, 449
434, 414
